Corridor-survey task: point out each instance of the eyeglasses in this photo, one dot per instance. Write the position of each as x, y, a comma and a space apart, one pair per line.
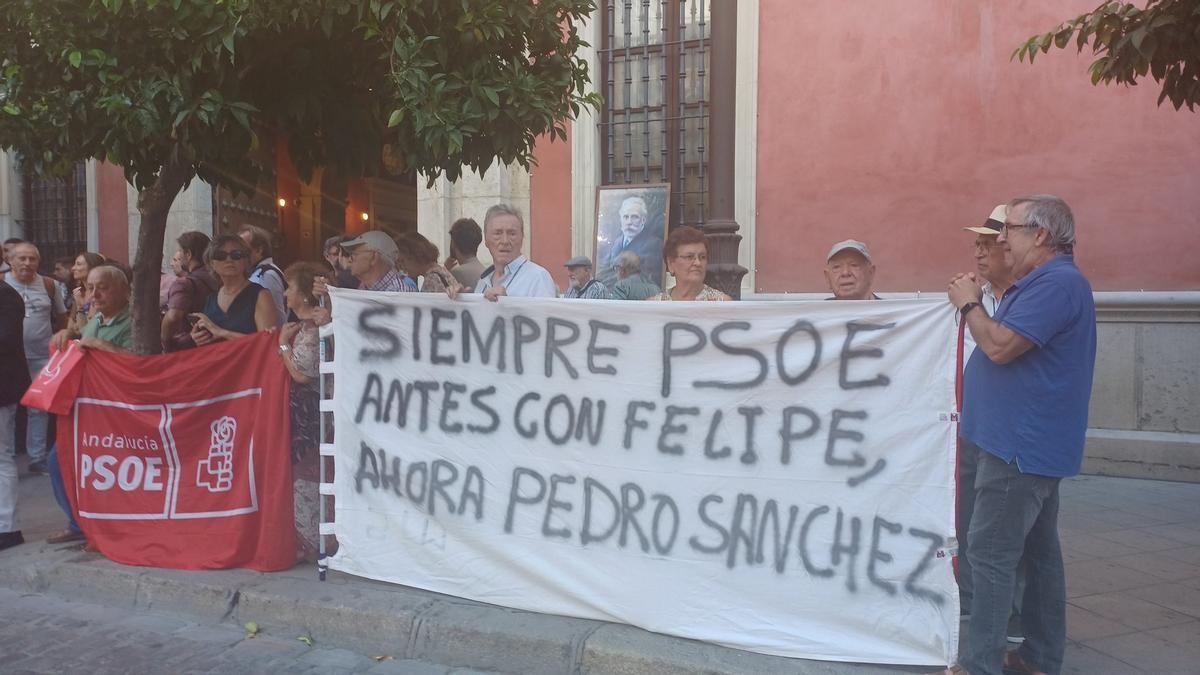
984, 245
235, 255
1008, 227
693, 257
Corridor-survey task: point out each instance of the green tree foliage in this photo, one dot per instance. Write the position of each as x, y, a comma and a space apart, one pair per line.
173, 90
1162, 40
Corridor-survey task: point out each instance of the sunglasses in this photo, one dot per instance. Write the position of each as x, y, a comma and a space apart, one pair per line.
230, 255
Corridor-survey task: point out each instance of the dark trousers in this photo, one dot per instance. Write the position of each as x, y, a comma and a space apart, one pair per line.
1015, 515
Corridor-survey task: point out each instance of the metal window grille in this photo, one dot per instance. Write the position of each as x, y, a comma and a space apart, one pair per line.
654, 61
55, 215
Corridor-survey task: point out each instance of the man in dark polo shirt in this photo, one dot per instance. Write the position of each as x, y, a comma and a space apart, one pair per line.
1025, 405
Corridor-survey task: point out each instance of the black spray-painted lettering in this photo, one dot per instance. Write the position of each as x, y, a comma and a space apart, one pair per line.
437, 336
559, 402
849, 352
850, 549
593, 350
387, 343
739, 533
788, 434
525, 331
669, 428
910, 584
632, 422
664, 503
879, 555
514, 494
632, 501
694, 540
781, 347
802, 546
555, 343
496, 340
449, 405
836, 433
709, 451
477, 397
552, 503
531, 430
590, 487
670, 351
770, 514
719, 342
751, 413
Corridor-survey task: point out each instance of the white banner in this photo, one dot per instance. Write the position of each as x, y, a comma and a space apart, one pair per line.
771, 476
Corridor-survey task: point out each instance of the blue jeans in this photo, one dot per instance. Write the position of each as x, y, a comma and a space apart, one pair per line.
1015, 514
60, 490
968, 463
37, 421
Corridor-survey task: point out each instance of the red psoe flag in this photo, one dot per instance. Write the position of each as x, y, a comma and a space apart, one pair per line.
184, 460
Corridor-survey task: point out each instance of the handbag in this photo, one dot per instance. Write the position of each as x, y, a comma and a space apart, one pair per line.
53, 390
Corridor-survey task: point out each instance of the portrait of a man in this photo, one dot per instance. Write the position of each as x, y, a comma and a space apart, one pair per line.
631, 219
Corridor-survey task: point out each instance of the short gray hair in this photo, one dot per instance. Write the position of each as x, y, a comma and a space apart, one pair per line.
114, 274
503, 210
1051, 214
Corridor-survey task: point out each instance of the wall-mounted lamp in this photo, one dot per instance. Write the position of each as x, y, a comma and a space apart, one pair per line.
365, 216
282, 203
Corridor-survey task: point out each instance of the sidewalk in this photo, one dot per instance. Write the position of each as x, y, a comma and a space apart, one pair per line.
1132, 549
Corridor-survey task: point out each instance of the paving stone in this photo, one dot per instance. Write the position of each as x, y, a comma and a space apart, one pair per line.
1129, 610
1088, 578
1148, 652
1158, 564
338, 659
405, 667
1083, 624
1179, 597
1094, 547
1080, 659
1139, 539
1185, 535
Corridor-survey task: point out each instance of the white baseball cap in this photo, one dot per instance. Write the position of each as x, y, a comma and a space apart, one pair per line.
849, 245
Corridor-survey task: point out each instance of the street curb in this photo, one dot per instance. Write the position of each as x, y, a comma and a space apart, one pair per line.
375, 618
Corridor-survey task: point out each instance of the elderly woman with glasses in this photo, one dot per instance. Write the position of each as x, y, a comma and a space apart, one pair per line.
686, 256
239, 307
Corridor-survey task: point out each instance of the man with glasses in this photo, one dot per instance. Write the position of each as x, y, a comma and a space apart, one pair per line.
1025, 405
373, 262
996, 273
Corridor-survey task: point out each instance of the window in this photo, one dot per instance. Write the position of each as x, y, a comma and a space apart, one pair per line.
55, 215
654, 62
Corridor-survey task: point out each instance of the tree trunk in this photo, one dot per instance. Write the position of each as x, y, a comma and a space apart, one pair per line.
153, 204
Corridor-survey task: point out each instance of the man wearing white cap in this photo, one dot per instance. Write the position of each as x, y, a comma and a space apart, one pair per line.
849, 271
583, 284
373, 262
991, 267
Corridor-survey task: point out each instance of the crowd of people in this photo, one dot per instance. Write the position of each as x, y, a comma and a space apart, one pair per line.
1028, 311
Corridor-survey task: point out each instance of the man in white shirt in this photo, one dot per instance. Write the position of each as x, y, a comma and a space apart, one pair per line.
266, 273
998, 277
45, 313
511, 272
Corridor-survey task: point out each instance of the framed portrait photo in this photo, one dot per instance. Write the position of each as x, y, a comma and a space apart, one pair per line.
631, 218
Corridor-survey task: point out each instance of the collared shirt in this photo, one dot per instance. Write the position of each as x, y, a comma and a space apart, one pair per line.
1034, 409
522, 278
392, 282
592, 290
706, 294
117, 330
988, 303
634, 287
268, 275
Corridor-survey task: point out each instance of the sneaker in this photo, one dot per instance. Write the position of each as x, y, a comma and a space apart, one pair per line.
1016, 632
10, 539
38, 467
64, 536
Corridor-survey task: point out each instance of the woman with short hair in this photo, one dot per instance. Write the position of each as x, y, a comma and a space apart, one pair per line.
686, 256
239, 307
299, 347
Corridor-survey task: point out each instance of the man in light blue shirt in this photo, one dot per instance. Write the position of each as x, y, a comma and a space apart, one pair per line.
1025, 404
511, 272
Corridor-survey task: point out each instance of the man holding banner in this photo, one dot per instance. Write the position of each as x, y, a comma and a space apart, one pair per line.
12, 358
1025, 405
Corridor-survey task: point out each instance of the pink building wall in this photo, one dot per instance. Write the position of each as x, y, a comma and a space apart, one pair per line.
899, 123
550, 206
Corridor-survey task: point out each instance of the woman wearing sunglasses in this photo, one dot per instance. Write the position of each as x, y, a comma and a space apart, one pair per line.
238, 307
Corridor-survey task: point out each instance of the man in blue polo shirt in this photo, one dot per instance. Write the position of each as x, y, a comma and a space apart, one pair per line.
1025, 405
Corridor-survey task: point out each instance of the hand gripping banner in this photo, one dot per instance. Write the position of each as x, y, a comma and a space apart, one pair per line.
183, 460
771, 476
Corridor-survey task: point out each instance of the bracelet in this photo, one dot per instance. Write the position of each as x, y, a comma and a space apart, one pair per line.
283, 349
968, 307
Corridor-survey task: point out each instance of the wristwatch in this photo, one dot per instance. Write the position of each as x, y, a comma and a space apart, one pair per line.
283, 349
968, 307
